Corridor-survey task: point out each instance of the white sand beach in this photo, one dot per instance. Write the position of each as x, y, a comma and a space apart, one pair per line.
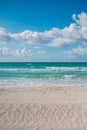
45, 108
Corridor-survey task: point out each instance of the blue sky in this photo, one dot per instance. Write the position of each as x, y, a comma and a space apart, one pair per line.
43, 30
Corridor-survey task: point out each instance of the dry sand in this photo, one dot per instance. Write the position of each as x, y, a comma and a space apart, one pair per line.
58, 108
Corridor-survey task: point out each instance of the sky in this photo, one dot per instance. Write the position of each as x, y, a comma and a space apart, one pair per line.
43, 31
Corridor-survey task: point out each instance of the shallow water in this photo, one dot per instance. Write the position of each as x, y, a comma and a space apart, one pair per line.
26, 74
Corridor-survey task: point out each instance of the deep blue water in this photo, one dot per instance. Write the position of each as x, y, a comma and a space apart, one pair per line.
24, 74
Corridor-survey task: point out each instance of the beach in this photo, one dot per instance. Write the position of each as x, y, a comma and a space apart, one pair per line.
43, 108
43, 65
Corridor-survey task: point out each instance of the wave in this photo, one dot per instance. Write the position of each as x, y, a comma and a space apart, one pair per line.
67, 68
46, 69
42, 74
31, 82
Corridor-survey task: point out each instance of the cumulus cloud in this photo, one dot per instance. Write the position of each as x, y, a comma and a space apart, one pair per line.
5, 36
80, 19
75, 32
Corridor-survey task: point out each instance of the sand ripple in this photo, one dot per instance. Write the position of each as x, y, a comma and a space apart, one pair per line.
43, 117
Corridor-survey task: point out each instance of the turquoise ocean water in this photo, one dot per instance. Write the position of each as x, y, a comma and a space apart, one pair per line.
43, 74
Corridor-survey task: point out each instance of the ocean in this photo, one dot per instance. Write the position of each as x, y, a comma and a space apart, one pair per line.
32, 74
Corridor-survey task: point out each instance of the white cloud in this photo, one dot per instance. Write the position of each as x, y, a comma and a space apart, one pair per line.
80, 19
80, 51
75, 32
5, 36
22, 52
4, 51
15, 52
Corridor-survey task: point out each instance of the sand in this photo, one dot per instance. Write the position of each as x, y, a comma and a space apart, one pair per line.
58, 108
